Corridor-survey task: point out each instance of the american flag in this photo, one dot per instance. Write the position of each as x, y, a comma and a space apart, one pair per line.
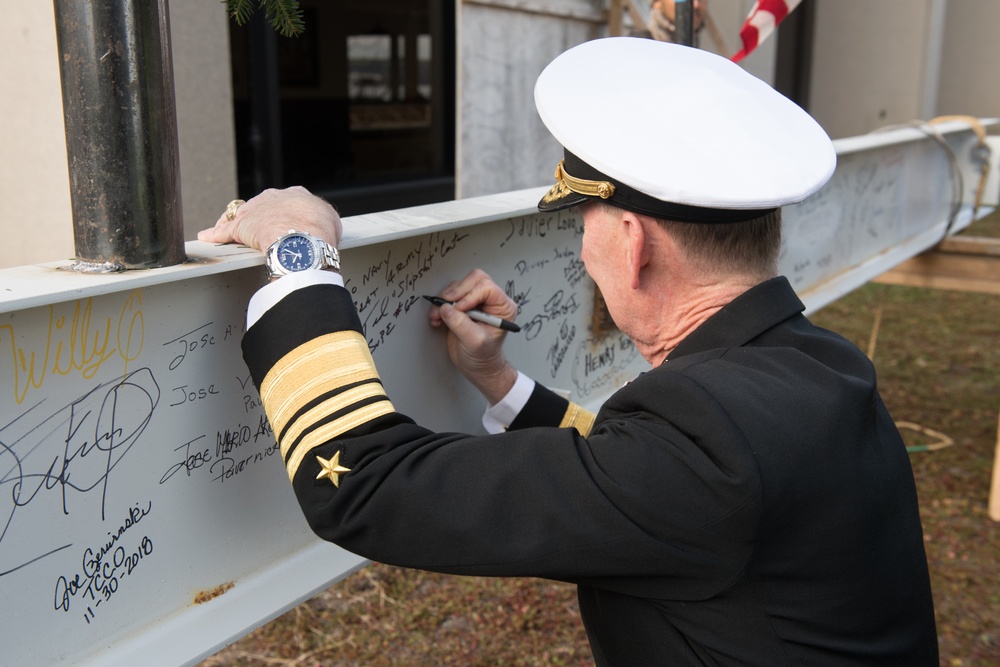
764, 17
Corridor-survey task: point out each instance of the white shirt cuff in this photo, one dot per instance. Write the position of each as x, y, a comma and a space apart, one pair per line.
270, 294
498, 417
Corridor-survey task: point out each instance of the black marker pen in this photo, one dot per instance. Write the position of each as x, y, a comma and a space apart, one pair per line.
479, 316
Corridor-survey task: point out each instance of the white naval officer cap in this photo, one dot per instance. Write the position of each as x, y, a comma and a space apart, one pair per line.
675, 132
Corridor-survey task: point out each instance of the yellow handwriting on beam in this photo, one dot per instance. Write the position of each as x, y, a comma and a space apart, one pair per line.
81, 344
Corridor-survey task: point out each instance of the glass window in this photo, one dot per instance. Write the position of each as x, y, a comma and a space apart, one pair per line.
359, 109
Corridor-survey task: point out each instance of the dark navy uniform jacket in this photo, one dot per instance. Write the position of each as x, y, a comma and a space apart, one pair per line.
747, 502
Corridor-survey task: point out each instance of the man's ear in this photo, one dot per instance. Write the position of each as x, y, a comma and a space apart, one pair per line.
638, 246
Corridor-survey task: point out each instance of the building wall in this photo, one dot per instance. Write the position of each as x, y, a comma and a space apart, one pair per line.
34, 183
870, 63
969, 60
890, 62
35, 211
205, 136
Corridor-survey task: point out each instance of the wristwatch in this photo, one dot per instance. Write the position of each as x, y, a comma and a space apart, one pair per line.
298, 251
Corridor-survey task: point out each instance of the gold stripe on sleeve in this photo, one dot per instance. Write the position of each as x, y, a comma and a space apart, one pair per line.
578, 418
334, 429
313, 369
332, 405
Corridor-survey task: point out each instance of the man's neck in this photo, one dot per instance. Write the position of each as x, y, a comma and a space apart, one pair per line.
676, 318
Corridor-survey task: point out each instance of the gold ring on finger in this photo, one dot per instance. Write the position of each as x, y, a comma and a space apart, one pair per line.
232, 207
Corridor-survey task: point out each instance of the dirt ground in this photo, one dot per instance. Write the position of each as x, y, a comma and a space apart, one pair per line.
938, 358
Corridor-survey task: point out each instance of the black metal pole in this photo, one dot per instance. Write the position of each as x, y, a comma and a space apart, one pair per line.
121, 133
684, 22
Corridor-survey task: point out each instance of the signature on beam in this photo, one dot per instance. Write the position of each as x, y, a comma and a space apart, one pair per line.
71, 453
81, 343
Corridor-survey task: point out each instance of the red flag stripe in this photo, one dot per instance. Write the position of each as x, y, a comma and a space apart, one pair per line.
764, 17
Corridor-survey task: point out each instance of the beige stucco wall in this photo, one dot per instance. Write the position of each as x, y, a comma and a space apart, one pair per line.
898, 61
870, 63
205, 136
34, 184
35, 210
970, 59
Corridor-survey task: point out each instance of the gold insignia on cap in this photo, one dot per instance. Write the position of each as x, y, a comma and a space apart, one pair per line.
557, 191
331, 469
566, 184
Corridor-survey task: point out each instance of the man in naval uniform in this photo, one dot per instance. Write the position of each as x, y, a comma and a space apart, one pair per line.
748, 501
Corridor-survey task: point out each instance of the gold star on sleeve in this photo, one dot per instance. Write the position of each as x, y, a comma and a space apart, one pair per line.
331, 469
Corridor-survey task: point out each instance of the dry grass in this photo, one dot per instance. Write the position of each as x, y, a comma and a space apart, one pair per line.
938, 364
384, 616
938, 356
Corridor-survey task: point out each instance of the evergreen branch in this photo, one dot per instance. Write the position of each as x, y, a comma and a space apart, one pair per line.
239, 10
285, 15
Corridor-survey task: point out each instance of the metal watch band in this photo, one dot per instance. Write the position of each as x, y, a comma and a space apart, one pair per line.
331, 256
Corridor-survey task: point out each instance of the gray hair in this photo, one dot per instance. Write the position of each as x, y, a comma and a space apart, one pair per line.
748, 248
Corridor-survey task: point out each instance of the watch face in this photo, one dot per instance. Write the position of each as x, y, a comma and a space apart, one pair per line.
296, 253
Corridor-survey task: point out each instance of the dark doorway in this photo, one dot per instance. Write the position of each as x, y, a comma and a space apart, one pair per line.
793, 60
360, 109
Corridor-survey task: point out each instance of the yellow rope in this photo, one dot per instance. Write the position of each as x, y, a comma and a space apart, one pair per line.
942, 439
980, 131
